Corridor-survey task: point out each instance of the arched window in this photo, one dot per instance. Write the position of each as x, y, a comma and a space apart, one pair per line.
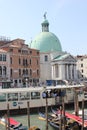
4, 70
30, 61
0, 57
11, 72
0, 70
23, 62
26, 62
19, 61
26, 71
11, 60
30, 72
4, 57
46, 58
38, 72
19, 72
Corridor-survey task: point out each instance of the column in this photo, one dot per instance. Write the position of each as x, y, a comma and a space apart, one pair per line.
52, 71
75, 72
67, 72
71, 68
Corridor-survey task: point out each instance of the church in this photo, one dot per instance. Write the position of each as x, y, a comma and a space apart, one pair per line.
55, 64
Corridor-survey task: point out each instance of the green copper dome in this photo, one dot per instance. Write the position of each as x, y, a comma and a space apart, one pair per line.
46, 42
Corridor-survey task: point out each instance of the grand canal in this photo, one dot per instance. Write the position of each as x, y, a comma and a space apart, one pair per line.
34, 121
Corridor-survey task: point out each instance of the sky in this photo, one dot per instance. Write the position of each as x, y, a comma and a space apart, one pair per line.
67, 19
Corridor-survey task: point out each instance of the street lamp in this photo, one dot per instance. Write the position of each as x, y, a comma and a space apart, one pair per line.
26, 80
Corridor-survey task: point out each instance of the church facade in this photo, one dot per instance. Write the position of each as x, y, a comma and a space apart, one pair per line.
55, 64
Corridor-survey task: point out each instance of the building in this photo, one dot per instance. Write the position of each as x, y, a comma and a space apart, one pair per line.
4, 69
54, 62
21, 63
82, 67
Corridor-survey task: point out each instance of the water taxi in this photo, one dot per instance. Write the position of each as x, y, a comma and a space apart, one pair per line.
17, 98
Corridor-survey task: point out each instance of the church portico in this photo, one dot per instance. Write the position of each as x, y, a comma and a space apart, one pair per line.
64, 71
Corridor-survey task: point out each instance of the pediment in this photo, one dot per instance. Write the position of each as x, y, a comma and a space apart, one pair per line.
65, 58
70, 58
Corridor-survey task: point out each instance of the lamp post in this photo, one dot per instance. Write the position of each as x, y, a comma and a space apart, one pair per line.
26, 80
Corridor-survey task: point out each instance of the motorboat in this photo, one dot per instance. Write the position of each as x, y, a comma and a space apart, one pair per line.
13, 124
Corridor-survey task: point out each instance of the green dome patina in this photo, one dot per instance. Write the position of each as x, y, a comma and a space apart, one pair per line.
46, 41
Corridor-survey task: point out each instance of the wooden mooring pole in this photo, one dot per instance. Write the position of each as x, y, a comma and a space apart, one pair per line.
46, 112
64, 120
8, 120
60, 128
83, 114
28, 113
76, 105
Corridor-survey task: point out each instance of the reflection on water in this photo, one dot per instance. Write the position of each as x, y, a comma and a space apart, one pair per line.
34, 121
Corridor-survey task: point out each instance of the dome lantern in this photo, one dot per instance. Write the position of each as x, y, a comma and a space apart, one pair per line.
45, 24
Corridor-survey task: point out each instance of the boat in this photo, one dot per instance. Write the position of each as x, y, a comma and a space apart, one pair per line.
17, 98
76, 119
13, 124
80, 114
54, 124
55, 121
34, 128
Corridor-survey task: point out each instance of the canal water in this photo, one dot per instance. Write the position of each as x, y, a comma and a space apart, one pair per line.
34, 121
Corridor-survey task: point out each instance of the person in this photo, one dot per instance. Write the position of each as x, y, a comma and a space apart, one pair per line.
44, 94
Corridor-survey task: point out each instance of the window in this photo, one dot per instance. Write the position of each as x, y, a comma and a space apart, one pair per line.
82, 71
0, 57
4, 57
30, 72
19, 72
24, 95
4, 70
11, 72
46, 58
11, 60
12, 96
0, 70
30, 61
37, 72
11, 50
81, 59
82, 76
26, 62
37, 62
19, 51
37, 52
30, 52
26, 71
19, 80
2, 97
81, 65
19, 61
35, 95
